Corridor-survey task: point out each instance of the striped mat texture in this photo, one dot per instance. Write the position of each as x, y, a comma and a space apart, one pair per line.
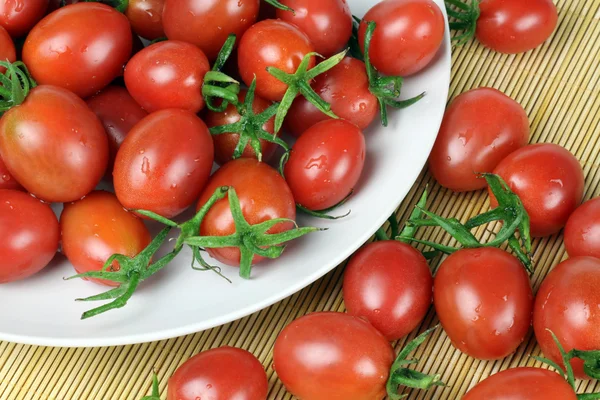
559, 87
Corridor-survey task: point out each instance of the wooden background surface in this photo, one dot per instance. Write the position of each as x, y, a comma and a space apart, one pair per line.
559, 87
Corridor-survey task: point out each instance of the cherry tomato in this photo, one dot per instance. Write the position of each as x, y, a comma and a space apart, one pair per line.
145, 17
164, 163
19, 16
54, 145
568, 303
480, 128
7, 48
407, 37
515, 26
549, 180
325, 164
226, 143
346, 88
272, 43
167, 75
118, 112
328, 355
96, 227
484, 302
263, 195
224, 373
388, 283
207, 23
81, 47
582, 232
6, 179
328, 24
522, 384
30, 235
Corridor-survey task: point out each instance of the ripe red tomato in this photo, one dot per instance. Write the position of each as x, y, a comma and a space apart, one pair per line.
582, 232
407, 37
118, 112
81, 47
484, 302
6, 179
224, 373
167, 74
272, 43
54, 145
549, 180
328, 355
7, 48
568, 303
325, 164
523, 384
145, 17
30, 235
164, 163
263, 195
480, 128
388, 283
19, 16
328, 24
96, 227
515, 26
207, 23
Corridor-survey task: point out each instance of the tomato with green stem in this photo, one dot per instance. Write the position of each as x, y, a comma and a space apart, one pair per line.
145, 17
18, 17
7, 48
582, 232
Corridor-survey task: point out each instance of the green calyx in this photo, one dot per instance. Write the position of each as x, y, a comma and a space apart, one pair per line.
119, 5
466, 16
217, 86
280, 6
15, 84
155, 395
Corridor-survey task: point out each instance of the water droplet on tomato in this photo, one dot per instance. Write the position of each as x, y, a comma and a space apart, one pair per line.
5, 178
316, 162
145, 165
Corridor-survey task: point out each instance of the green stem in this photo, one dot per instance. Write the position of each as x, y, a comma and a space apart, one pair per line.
381, 234
280, 6
155, 390
16, 85
467, 16
119, 5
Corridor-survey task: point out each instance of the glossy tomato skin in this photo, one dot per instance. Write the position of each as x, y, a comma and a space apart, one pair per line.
7, 48
167, 75
582, 232
223, 373
484, 302
145, 17
54, 145
272, 43
6, 179
522, 383
325, 164
263, 195
164, 163
96, 227
388, 283
333, 356
18, 17
207, 23
346, 88
407, 37
480, 128
515, 26
328, 24
30, 235
81, 47
568, 303
549, 180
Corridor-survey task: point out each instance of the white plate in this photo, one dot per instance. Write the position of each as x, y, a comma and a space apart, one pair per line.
179, 301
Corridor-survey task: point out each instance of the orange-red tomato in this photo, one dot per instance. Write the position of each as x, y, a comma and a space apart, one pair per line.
145, 17
7, 48
582, 232
19, 16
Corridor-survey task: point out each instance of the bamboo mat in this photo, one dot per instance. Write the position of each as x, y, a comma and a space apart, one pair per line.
559, 87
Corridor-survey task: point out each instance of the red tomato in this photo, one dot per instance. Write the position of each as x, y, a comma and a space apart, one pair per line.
6, 179
145, 17
226, 143
582, 232
167, 75
96, 227
484, 302
164, 163
325, 164
568, 303
515, 26
408, 35
388, 283
328, 24
54, 145
80, 47
225, 373
7, 48
549, 180
272, 43
19, 16
30, 235
523, 384
118, 112
207, 23
346, 88
329, 356
480, 128
263, 195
